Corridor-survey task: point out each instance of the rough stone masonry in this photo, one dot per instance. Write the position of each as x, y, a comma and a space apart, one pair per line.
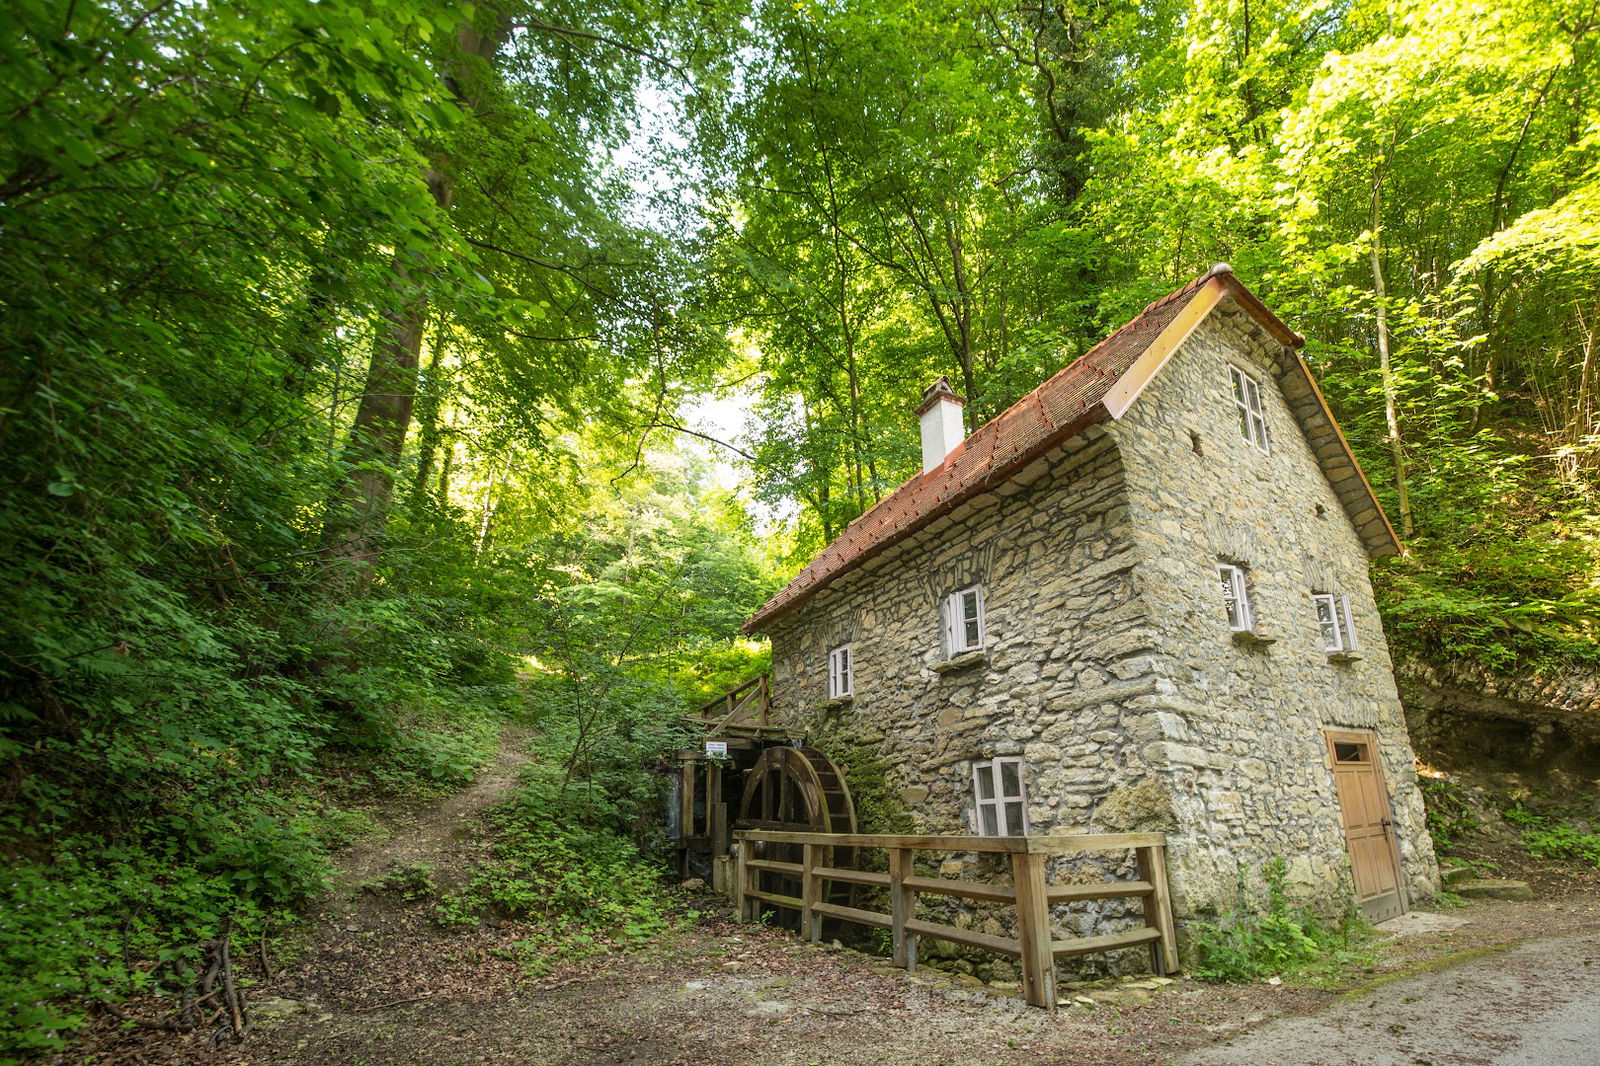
1109, 663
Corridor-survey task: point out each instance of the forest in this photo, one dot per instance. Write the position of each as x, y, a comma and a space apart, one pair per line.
356, 362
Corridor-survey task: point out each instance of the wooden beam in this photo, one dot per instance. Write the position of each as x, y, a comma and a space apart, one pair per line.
1158, 908
1000, 945
741, 881
1144, 369
854, 914
810, 893
1087, 945
852, 877
1099, 890
1068, 844
688, 773
944, 886
902, 903
1033, 931
794, 903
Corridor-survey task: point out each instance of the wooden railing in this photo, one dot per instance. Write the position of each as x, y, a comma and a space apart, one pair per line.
1034, 945
747, 708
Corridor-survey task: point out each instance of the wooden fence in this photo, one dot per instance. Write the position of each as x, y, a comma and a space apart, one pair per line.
746, 710
1034, 945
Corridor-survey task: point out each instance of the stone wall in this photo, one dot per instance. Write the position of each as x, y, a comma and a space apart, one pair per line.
1242, 744
1109, 664
1067, 645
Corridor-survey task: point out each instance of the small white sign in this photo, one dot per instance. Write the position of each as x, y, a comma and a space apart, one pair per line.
717, 747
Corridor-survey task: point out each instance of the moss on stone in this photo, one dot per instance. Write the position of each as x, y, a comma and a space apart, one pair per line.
1145, 808
874, 785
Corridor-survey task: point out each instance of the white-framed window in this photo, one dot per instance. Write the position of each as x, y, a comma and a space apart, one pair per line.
1247, 401
1002, 797
1236, 595
841, 672
1334, 620
963, 621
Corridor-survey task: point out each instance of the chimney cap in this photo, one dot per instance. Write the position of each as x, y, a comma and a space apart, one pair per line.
939, 390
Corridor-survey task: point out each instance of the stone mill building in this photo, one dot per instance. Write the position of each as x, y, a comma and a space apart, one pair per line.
1136, 600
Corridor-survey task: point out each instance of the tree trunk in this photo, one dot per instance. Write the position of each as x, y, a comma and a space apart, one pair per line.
372, 452
1385, 369
428, 415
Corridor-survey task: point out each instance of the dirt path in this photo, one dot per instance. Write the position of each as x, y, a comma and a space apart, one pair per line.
433, 834
1537, 1005
723, 993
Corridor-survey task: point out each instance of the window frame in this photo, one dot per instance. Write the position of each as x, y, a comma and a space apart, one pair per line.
955, 621
1250, 408
1236, 592
998, 803
842, 671
1340, 620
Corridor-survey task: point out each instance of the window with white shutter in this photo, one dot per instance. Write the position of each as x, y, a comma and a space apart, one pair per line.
1247, 402
1002, 798
1335, 622
841, 672
963, 621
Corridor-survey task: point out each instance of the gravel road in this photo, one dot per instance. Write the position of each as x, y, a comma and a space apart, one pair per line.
1537, 1005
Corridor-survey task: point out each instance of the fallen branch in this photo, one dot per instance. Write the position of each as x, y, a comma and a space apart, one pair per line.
236, 1011
392, 1003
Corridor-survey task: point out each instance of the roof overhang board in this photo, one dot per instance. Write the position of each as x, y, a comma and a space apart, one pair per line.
1147, 366
1338, 462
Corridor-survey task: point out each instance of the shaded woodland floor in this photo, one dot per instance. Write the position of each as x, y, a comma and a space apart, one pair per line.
370, 979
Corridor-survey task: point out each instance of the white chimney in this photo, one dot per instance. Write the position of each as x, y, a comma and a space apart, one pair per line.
941, 423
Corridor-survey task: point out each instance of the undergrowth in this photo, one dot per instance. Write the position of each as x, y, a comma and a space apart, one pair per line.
1450, 818
1274, 936
578, 892
1550, 837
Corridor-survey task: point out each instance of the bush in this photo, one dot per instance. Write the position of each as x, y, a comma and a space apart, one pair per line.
1450, 819
581, 892
1277, 938
97, 924
1548, 837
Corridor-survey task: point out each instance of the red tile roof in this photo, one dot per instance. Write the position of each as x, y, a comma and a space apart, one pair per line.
1060, 408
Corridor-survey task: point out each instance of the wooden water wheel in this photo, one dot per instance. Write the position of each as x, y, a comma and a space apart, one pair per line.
798, 790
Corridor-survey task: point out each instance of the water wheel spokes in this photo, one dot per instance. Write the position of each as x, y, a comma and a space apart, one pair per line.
798, 790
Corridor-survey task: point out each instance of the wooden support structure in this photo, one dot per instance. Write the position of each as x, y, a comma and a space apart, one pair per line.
1034, 946
746, 710
1033, 929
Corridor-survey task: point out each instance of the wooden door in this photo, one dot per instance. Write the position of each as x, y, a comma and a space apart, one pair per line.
1368, 824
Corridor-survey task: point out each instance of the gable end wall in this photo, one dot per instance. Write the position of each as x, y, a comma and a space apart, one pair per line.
1248, 771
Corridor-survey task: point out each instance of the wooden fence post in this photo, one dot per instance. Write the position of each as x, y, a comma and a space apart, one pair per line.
810, 893
1033, 930
686, 797
902, 906
741, 880
1158, 908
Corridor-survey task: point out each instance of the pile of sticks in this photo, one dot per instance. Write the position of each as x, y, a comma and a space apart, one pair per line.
211, 1000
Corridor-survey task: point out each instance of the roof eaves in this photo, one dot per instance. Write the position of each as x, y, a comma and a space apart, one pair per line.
809, 584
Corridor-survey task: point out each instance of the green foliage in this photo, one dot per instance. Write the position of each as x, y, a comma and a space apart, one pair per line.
1550, 837
581, 892
1276, 937
1449, 818
95, 924
410, 881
